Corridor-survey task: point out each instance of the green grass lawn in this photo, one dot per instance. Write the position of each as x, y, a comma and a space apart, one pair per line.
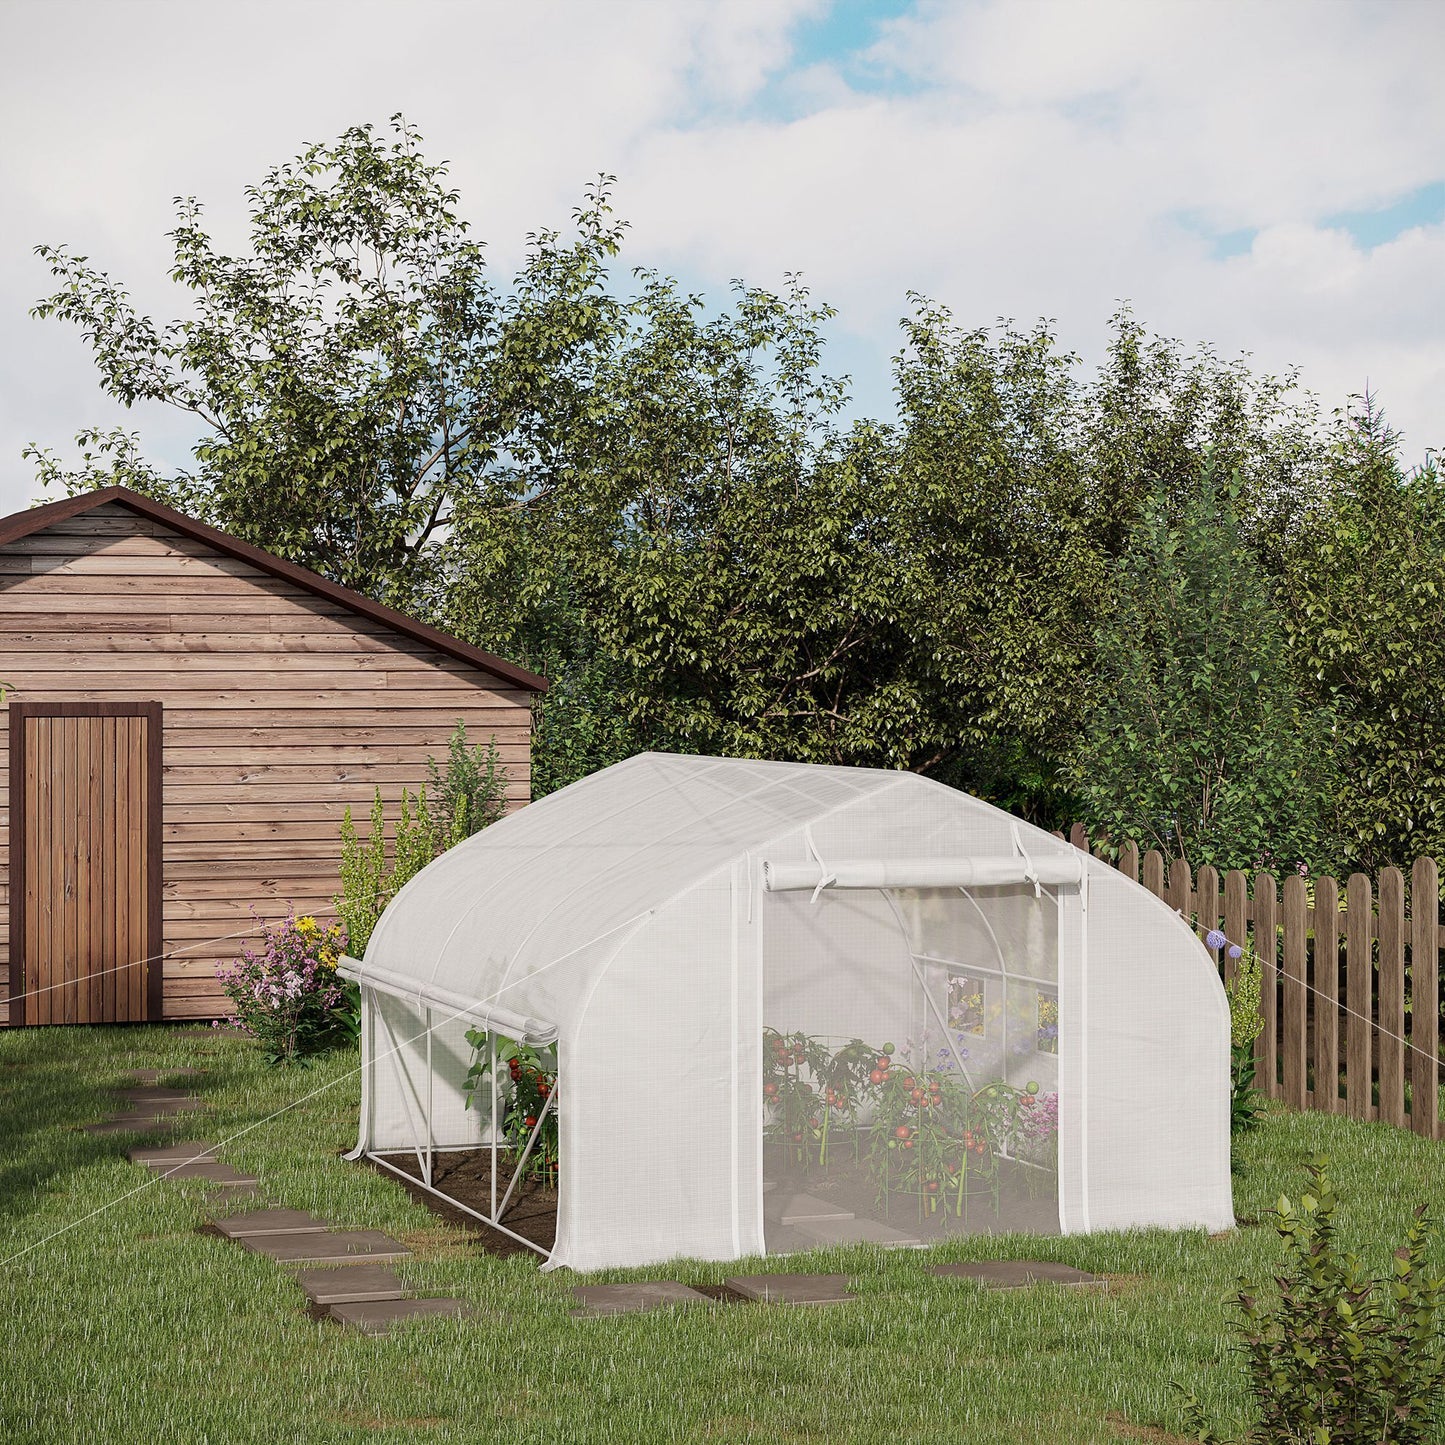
131, 1326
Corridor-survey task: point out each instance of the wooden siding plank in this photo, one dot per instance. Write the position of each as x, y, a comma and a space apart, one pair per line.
40, 866
70, 823
111, 959
136, 843
92, 958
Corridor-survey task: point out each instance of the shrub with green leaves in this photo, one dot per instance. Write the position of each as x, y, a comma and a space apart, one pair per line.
1245, 1025
470, 791
1340, 1357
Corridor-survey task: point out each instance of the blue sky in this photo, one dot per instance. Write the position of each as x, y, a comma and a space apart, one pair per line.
1267, 179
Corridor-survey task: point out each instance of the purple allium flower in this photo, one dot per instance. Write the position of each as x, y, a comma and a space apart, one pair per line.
1214, 939
1235, 950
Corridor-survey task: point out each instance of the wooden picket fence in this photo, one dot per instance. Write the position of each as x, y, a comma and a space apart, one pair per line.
1350, 981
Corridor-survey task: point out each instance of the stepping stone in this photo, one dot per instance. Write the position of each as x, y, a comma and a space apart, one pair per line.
793, 1289
206, 1169
350, 1284
133, 1124
323, 1246
259, 1223
804, 1209
146, 1098
377, 1317
627, 1299
154, 1076
188, 1151
849, 1230
1017, 1273
159, 1108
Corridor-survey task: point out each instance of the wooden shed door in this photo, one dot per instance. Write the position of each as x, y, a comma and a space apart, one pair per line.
86, 778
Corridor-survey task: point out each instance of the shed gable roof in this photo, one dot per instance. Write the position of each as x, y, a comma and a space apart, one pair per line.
37, 519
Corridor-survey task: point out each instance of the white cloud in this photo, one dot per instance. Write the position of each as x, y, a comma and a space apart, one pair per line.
1033, 159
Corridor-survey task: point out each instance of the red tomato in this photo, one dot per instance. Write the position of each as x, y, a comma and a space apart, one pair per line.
902, 1131
932, 1186
529, 1121
910, 1083
908, 1143
876, 1077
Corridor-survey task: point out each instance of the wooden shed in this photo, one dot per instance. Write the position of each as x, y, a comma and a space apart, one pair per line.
187, 718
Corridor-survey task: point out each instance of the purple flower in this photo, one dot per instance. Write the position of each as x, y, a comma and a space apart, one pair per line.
1214, 939
1235, 950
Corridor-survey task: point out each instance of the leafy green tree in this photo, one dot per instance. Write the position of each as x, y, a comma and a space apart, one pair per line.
656, 503
1198, 742
1364, 597
357, 374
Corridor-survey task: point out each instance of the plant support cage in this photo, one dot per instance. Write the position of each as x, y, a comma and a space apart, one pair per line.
792, 1004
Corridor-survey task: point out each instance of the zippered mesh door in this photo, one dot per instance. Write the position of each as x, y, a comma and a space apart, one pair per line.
910, 1065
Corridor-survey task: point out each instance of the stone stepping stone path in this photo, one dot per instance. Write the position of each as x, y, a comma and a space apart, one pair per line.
147, 1108
327, 1246
215, 1173
362, 1296
377, 1317
152, 1077
134, 1122
627, 1299
350, 1284
1020, 1273
263, 1223
793, 1289
163, 1101
187, 1151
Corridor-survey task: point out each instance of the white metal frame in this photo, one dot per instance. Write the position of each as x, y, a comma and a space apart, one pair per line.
424, 1139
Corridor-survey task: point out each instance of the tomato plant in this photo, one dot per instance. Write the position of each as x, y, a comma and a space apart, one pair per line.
795, 1104
526, 1080
852, 1078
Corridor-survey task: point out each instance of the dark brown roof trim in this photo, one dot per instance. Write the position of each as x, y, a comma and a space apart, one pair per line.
37, 519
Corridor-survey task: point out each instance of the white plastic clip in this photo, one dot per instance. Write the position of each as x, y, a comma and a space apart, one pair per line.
1030, 872
827, 877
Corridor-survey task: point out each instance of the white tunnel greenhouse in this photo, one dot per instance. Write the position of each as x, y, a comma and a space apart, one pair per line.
713, 1008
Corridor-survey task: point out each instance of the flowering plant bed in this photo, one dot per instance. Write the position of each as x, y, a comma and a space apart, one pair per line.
286, 994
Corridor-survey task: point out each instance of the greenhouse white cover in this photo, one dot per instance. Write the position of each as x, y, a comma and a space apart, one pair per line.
789, 1004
